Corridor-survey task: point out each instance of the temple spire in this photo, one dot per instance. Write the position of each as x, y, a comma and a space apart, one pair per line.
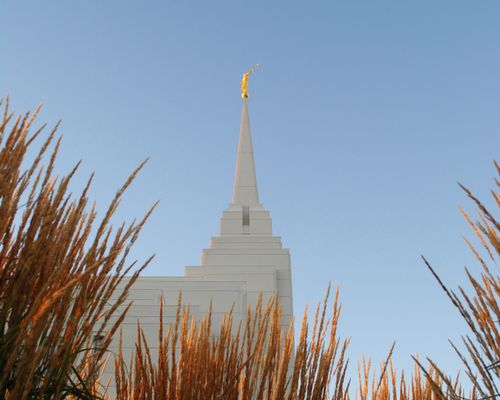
245, 191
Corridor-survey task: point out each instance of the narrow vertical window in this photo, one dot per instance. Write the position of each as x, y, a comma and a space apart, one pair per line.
97, 347
246, 219
98, 339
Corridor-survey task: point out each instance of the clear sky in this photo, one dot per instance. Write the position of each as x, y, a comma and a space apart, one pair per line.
364, 114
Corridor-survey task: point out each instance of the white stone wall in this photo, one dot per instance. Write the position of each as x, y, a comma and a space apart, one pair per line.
234, 270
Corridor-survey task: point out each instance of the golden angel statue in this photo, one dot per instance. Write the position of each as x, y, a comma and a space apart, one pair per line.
244, 82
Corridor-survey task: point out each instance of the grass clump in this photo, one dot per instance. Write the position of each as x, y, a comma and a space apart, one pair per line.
257, 361
59, 265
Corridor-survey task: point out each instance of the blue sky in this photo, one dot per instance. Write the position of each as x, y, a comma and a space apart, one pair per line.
364, 114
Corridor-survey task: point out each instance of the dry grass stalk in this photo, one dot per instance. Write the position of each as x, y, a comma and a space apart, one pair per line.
424, 384
480, 309
57, 271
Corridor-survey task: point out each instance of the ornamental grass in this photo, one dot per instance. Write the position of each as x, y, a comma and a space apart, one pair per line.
60, 266
258, 361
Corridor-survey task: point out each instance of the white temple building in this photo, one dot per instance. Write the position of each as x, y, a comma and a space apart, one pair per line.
242, 261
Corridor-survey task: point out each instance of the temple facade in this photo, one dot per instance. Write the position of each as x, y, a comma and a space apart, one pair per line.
245, 259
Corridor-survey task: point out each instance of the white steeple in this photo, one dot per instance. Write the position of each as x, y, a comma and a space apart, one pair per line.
245, 190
